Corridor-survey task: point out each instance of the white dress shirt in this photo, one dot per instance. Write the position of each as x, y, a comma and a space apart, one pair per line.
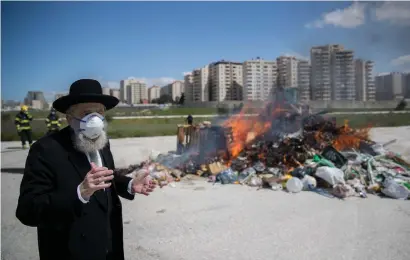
99, 164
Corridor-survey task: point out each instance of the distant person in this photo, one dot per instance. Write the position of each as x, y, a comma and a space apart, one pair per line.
190, 120
53, 122
23, 124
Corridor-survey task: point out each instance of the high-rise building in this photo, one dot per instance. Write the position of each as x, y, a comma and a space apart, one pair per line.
200, 84
259, 79
174, 89
303, 86
321, 71
188, 87
106, 90
226, 81
287, 71
40, 103
343, 75
407, 85
115, 93
124, 88
389, 86
365, 88
136, 93
154, 93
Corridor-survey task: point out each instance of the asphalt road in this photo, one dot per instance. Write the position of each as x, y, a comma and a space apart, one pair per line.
197, 220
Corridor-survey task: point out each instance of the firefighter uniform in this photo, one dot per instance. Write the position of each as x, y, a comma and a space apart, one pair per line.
22, 122
53, 122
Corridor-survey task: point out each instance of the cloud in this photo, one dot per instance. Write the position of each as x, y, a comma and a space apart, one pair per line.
350, 17
186, 73
397, 13
400, 61
296, 55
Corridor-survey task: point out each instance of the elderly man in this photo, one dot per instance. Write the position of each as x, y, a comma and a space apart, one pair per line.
69, 191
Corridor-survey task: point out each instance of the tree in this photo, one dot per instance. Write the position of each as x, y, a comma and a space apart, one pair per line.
182, 99
402, 105
165, 99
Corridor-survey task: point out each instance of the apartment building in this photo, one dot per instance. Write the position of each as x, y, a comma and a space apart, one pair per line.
364, 80
343, 75
259, 79
321, 71
200, 84
226, 80
106, 90
36, 99
303, 77
115, 93
154, 92
287, 71
406, 84
124, 88
136, 93
174, 89
390, 86
188, 87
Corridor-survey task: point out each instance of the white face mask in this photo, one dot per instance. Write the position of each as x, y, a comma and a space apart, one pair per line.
92, 125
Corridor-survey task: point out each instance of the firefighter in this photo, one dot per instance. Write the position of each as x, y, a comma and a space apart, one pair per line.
53, 122
22, 122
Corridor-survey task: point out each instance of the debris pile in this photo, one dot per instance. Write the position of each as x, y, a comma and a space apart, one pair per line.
283, 148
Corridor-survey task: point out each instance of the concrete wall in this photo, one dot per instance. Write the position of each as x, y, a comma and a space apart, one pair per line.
354, 104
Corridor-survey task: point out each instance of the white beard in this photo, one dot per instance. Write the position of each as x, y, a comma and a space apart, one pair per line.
87, 145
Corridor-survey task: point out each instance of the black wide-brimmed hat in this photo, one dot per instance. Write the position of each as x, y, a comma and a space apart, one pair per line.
85, 91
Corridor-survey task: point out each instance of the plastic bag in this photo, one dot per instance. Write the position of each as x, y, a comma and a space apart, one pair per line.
228, 176
294, 185
309, 182
154, 155
332, 176
342, 191
255, 181
245, 173
394, 190
259, 167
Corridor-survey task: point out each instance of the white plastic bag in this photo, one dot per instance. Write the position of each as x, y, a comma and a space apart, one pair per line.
394, 190
309, 182
294, 185
332, 176
154, 155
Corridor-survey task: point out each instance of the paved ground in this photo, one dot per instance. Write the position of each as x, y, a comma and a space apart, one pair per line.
196, 220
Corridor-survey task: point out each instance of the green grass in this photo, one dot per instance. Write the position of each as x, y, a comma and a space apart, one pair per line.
120, 128
129, 111
183, 111
167, 126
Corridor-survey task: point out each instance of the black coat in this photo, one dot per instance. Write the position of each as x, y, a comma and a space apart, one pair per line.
67, 228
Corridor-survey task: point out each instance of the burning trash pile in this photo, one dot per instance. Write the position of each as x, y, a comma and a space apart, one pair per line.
286, 148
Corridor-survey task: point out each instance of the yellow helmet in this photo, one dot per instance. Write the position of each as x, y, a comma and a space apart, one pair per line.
24, 108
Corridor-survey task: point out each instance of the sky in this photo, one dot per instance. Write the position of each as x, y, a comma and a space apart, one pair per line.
48, 45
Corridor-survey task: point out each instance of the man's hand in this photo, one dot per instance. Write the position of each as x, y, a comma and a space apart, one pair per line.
94, 180
142, 184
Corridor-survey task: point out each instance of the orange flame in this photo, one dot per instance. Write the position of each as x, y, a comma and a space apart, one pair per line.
347, 138
244, 131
